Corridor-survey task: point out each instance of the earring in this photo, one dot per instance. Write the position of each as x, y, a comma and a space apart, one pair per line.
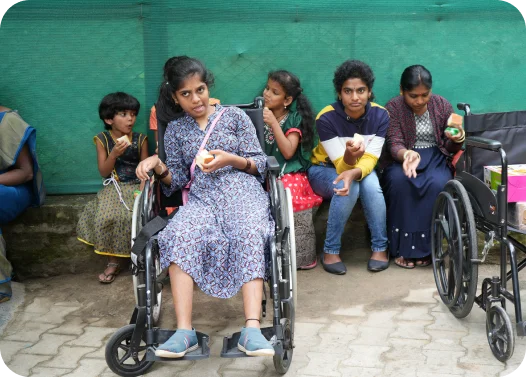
285, 107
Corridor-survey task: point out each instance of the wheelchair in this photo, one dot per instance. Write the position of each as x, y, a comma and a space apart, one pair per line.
131, 350
466, 205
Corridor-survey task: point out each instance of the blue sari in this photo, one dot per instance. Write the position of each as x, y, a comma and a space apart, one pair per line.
15, 199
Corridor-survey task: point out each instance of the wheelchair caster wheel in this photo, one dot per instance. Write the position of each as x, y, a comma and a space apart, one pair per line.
122, 359
500, 333
282, 362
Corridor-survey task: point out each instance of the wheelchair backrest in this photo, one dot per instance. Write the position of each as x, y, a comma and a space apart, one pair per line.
255, 112
509, 128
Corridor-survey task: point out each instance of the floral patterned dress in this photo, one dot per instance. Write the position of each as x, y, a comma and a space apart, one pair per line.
221, 236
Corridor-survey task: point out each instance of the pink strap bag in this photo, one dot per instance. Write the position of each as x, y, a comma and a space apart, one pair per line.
186, 189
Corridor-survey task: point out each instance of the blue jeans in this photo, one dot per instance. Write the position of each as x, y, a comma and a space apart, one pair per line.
368, 189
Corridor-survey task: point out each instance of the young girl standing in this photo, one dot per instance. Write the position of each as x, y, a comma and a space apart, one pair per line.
289, 136
106, 221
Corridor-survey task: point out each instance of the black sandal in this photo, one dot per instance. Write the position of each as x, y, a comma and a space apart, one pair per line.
398, 261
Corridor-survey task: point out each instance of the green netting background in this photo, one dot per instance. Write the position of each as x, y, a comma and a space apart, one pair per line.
61, 57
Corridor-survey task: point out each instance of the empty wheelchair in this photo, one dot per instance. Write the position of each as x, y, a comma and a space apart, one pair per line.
466, 205
131, 350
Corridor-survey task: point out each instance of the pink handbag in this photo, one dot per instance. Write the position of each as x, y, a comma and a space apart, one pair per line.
186, 189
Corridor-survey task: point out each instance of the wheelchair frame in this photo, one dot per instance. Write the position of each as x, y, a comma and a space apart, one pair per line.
464, 206
139, 339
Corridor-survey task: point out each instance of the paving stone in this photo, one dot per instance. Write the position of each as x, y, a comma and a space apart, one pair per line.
256, 364
93, 337
366, 356
411, 330
445, 341
22, 364
88, 368
30, 332
68, 357
10, 348
477, 370
416, 313
403, 368
338, 327
441, 362
48, 344
322, 364
381, 319
72, 326
56, 314
408, 350
307, 333
98, 354
421, 296
40, 305
161, 369
509, 369
362, 372
333, 343
73, 304
372, 336
476, 334
447, 322
479, 353
240, 373
49, 372
353, 311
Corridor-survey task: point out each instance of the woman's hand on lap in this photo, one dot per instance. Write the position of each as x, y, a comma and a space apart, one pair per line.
411, 163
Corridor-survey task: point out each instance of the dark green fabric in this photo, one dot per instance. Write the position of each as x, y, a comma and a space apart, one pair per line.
62, 56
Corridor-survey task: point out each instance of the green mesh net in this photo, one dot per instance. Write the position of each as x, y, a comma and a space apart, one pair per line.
61, 57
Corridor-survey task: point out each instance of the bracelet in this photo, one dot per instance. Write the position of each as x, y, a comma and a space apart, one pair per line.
405, 153
164, 171
249, 165
462, 139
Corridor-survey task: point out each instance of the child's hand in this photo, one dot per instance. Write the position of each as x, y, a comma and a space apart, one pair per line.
119, 148
269, 118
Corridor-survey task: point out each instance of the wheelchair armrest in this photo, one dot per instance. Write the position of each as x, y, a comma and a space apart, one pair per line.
272, 164
482, 142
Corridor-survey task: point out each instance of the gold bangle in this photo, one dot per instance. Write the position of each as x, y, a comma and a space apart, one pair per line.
405, 153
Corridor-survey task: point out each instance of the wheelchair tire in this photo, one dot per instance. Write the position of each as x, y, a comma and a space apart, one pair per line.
119, 356
469, 281
282, 362
500, 333
447, 249
292, 248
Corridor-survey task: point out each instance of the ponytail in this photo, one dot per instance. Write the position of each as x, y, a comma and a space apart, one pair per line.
304, 108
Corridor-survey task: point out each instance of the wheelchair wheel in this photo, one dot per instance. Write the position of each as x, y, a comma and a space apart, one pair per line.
282, 362
468, 283
121, 359
138, 221
500, 333
287, 256
446, 249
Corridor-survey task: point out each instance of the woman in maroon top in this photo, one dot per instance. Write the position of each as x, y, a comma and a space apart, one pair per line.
417, 165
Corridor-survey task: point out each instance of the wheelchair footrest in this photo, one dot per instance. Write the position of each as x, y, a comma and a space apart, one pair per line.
230, 349
161, 336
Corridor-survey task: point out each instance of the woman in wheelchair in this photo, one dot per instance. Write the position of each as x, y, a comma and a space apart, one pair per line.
417, 165
220, 238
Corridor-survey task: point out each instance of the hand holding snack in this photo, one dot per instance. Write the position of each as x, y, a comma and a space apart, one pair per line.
120, 146
203, 158
454, 129
356, 146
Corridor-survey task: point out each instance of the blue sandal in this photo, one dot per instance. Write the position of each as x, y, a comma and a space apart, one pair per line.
178, 345
253, 343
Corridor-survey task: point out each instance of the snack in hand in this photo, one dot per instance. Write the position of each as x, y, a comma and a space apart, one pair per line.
454, 122
358, 138
125, 139
203, 158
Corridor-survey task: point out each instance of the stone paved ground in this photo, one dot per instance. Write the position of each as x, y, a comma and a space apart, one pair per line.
361, 324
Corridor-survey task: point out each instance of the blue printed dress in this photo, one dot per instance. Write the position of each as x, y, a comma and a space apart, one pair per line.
221, 236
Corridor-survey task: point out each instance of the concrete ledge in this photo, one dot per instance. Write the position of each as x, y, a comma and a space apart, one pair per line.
42, 241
